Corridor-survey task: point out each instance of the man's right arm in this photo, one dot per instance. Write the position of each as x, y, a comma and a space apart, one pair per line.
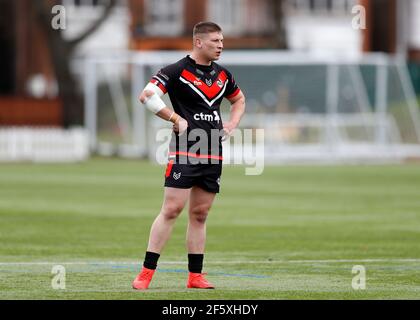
151, 98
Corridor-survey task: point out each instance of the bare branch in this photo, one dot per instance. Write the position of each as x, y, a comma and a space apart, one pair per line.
95, 25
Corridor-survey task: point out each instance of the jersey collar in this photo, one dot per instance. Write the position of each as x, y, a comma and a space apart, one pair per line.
200, 66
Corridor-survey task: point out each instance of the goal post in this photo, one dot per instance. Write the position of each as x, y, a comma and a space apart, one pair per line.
312, 108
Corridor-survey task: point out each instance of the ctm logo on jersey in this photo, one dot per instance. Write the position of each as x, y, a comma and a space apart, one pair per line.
207, 117
210, 92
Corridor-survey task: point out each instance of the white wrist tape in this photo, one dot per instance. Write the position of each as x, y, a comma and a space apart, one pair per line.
152, 87
154, 103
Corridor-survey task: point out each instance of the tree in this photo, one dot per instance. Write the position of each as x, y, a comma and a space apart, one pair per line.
279, 34
61, 52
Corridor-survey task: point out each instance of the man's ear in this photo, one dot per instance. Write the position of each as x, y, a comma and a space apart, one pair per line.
198, 43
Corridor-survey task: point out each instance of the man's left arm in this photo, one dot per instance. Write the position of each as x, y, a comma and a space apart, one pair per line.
236, 111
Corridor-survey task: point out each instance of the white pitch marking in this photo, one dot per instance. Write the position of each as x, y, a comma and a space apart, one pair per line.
209, 262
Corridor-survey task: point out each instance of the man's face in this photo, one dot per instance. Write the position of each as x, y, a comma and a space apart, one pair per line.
211, 45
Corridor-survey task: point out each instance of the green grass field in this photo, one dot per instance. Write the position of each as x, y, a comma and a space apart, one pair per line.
291, 233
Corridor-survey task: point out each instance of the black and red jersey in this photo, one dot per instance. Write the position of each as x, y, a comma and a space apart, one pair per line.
196, 92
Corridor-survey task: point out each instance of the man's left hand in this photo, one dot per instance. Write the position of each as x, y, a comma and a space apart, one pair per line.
228, 128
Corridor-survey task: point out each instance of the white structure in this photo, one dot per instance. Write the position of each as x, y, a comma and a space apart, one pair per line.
43, 145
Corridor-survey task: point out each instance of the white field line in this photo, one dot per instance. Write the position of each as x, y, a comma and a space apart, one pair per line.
208, 262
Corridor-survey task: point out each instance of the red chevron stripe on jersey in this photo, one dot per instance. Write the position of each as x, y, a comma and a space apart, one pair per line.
210, 91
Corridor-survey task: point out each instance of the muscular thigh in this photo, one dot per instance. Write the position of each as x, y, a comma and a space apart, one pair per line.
175, 198
200, 199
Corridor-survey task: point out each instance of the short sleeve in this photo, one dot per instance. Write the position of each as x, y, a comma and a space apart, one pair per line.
165, 78
232, 88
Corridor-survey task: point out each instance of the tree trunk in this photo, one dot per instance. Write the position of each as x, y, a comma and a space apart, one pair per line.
68, 89
279, 35
61, 52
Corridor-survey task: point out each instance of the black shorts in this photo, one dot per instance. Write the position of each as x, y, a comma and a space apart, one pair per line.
185, 176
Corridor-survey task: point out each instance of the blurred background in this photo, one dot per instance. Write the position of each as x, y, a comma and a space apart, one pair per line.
329, 81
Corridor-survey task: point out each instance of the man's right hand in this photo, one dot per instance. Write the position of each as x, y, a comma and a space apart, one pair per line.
180, 126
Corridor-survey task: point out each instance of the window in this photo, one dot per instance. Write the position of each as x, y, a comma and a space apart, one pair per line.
332, 7
164, 17
90, 3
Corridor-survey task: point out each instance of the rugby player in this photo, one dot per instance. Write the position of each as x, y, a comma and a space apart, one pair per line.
196, 86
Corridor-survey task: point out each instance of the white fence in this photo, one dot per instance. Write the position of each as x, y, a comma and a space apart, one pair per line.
43, 145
